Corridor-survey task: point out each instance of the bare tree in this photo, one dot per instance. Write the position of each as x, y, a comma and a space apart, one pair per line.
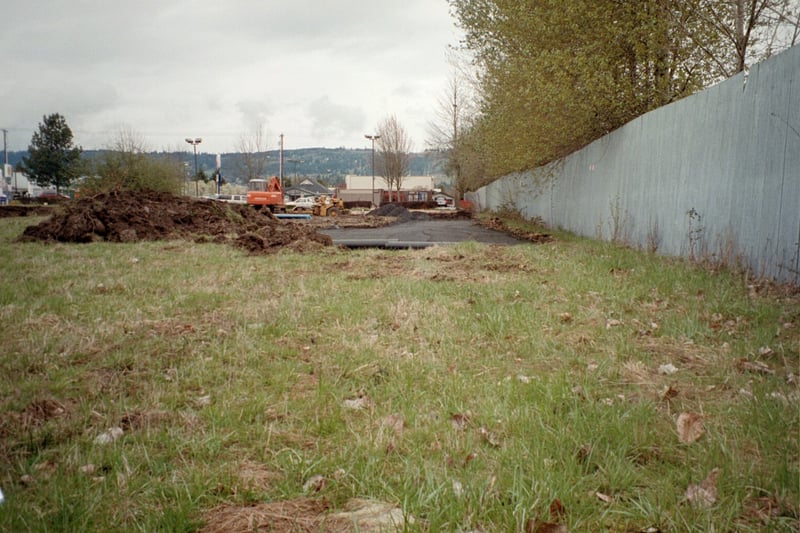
452, 119
127, 164
394, 147
751, 30
253, 149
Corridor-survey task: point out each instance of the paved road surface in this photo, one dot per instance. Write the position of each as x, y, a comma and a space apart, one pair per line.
418, 234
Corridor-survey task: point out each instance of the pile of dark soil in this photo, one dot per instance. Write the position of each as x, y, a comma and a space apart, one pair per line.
129, 216
399, 212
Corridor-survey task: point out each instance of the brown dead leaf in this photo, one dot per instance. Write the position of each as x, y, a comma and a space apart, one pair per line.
459, 421
583, 453
314, 484
668, 392
690, 427
704, 494
605, 498
557, 511
756, 367
489, 437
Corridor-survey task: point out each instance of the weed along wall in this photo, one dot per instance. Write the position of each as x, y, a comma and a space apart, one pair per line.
713, 176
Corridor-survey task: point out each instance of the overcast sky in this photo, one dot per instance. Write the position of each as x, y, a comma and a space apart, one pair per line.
322, 72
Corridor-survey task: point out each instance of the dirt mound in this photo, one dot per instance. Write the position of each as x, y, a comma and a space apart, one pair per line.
497, 224
128, 216
398, 211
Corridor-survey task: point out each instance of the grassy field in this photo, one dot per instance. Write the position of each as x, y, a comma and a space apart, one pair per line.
568, 386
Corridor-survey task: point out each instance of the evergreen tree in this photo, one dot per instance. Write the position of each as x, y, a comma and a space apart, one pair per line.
52, 159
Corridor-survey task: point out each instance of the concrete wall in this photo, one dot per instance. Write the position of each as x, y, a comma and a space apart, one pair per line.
715, 175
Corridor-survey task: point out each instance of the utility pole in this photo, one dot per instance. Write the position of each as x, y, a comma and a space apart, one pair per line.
373, 138
280, 163
5, 152
5, 172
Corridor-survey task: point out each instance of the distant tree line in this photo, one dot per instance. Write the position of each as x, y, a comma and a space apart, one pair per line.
53, 160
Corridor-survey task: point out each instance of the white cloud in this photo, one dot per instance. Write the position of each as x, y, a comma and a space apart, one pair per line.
322, 73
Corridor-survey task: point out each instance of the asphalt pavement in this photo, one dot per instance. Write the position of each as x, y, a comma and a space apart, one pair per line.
418, 234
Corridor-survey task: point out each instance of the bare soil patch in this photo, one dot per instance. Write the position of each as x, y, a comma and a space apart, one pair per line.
497, 224
25, 210
127, 216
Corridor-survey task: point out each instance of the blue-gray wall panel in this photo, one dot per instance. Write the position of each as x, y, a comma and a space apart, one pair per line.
715, 175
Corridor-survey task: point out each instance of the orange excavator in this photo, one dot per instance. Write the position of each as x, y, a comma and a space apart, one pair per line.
266, 193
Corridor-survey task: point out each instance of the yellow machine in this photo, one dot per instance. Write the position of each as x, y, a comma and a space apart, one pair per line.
328, 207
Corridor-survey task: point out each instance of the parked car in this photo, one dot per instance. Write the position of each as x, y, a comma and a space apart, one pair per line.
51, 196
306, 202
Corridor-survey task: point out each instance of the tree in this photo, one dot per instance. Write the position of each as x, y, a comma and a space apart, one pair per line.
554, 75
452, 121
127, 165
394, 147
52, 159
252, 162
750, 30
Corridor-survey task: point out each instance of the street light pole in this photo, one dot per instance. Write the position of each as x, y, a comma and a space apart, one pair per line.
194, 142
373, 138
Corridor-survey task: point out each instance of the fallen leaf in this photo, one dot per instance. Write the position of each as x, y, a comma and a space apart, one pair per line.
690, 427
704, 493
557, 511
314, 483
459, 421
357, 403
583, 453
109, 436
565, 317
612, 323
578, 391
87, 469
668, 392
764, 351
458, 488
756, 367
667, 369
203, 401
604, 497
489, 437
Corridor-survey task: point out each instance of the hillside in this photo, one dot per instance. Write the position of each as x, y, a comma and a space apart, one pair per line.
327, 165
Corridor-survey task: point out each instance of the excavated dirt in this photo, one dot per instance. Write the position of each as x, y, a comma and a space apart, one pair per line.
126, 216
497, 224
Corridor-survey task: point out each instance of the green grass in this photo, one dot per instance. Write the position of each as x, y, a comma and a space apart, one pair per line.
494, 380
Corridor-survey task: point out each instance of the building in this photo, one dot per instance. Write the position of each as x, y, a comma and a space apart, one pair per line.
362, 189
307, 187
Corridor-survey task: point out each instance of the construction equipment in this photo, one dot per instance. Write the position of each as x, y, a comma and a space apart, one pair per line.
266, 193
326, 206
